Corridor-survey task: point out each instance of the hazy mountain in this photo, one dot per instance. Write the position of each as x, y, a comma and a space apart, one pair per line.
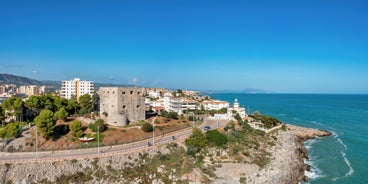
246, 91
17, 80
21, 81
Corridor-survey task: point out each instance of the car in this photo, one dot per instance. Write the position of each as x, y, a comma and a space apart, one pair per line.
206, 128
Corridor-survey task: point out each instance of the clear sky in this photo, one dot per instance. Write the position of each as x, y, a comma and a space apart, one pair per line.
296, 46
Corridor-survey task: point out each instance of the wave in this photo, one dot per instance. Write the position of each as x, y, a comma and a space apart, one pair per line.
308, 144
351, 170
314, 172
343, 154
342, 143
321, 124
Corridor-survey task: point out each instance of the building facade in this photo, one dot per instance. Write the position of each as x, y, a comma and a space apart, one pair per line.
29, 90
179, 105
214, 104
232, 111
121, 105
76, 88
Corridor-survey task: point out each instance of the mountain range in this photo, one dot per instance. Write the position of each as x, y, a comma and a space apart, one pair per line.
23, 81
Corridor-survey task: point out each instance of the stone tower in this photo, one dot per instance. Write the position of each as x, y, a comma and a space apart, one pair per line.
121, 105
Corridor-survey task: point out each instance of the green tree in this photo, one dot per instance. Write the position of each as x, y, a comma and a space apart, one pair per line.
61, 114
2, 116
85, 103
72, 106
48, 102
35, 103
214, 137
173, 115
165, 114
97, 126
76, 128
197, 139
11, 130
60, 102
147, 127
237, 117
223, 110
94, 102
45, 123
15, 106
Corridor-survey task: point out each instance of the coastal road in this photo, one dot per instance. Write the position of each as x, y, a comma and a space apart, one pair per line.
181, 135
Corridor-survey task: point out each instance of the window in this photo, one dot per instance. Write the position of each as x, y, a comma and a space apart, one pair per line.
131, 92
123, 93
124, 106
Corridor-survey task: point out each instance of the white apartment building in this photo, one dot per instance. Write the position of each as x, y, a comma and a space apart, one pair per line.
179, 105
76, 88
214, 104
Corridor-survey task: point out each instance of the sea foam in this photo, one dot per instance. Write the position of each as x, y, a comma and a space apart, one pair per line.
343, 154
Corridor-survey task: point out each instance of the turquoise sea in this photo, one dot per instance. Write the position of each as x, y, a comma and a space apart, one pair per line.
340, 158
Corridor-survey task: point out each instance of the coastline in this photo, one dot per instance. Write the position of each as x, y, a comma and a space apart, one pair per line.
286, 166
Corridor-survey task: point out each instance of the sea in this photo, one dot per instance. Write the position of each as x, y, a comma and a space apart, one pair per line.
339, 158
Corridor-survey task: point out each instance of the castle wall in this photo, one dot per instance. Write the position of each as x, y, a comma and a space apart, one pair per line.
121, 105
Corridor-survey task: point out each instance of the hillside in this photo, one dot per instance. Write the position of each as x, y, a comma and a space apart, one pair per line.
20, 81
17, 80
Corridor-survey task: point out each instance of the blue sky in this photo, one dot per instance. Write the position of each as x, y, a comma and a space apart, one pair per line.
304, 46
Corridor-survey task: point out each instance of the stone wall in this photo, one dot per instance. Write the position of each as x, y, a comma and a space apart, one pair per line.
121, 105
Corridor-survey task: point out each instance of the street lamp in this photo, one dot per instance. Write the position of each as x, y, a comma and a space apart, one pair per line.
36, 142
98, 139
153, 134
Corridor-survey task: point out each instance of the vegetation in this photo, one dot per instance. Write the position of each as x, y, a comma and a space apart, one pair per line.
45, 123
98, 126
76, 128
169, 115
214, 137
196, 142
11, 130
15, 107
61, 114
85, 102
267, 121
147, 127
44, 110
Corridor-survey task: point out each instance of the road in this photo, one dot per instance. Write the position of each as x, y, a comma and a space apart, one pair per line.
181, 135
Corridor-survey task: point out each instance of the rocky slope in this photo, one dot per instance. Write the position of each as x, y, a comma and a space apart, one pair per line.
286, 166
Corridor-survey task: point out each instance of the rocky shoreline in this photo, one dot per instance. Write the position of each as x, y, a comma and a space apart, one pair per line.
286, 165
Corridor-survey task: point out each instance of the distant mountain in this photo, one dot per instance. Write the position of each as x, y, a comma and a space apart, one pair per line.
246, 91
17, 80
22, 81
98, 85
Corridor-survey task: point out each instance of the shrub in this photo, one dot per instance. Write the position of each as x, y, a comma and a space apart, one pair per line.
61, 114
147, 127
97, 126
216, 138
76, 128
197, 139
